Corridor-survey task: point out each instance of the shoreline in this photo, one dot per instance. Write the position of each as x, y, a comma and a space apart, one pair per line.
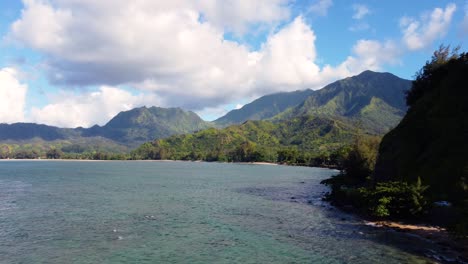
454, 250
140, 160
92, 160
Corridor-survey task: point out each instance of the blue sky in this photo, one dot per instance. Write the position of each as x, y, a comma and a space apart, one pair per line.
77, 63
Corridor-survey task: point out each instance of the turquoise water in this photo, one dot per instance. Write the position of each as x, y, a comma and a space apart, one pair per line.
180, 212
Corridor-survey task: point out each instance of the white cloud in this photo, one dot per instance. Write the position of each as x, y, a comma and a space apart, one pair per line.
174, 50
367, 55
287, 59
72, 109
418, 34
360, 11
12, 96
320, 7
236, 15
373, 54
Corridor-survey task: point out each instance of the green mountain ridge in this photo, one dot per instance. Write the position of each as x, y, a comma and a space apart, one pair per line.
125, 131
142, 124
264, 107
372, 100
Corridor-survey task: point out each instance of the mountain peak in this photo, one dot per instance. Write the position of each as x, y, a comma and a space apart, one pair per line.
147, 123
367, 74
265, 107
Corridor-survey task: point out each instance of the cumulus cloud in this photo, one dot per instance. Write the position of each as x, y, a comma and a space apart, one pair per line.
237, 15
73, 109
12, 96
174, 51
367, 55
373, 54
287, 59
360, 11
320, 7
419, 33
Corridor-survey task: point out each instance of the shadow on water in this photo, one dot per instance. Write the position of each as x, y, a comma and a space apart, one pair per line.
350, 227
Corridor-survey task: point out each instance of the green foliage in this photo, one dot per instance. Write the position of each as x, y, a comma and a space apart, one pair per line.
127, 130
431, 73
305, 140
396, 199
430, 145
360, 161
385, 199
375, 100
139, 125
54, 153
432, 139
264, 107
357, 166
288, 155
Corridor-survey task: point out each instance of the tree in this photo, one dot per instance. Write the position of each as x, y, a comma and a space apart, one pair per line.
54, 153
359, 164
288, 155
396, 199
429, 74
245, 152
5, 151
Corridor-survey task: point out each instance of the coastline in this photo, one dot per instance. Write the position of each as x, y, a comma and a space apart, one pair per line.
454, 250
451, 249
92, 160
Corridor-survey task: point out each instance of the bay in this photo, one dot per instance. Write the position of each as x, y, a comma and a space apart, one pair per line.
180, 212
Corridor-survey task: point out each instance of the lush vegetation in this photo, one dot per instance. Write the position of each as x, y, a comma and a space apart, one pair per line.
355, 186
264, 107
424, 159
125, 131
143, 124
312, 129
90, 148
373, 100
304, 140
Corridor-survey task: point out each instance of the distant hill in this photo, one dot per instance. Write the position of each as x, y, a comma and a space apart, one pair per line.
264, 107
127, 130
431, 142
142, 124
25, 131
374, 101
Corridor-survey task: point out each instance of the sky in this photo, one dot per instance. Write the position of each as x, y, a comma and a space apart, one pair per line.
71, 63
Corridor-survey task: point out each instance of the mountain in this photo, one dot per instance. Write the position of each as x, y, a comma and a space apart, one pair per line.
25, 131
264, 107
143, 124
431, 142
372, 100
126, 130
315, 123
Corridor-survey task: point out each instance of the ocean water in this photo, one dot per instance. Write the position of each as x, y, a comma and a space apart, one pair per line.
181, 212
